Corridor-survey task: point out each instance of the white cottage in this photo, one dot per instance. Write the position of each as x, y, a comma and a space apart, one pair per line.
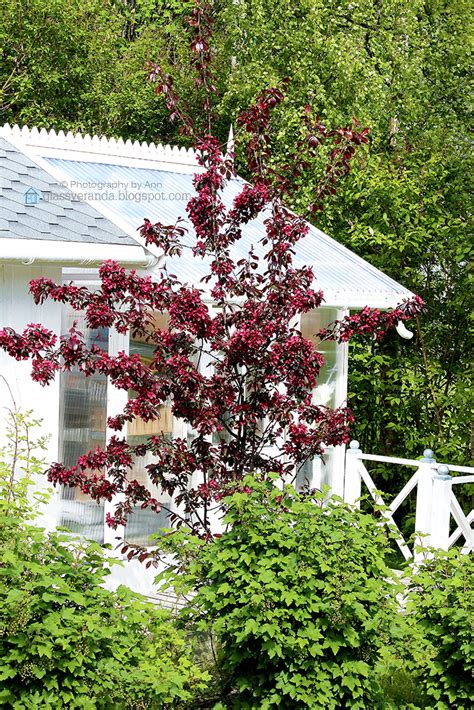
67, 202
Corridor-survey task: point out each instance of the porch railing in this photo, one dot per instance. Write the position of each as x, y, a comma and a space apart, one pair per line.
436, 502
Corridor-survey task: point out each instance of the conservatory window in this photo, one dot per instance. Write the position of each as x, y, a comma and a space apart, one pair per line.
144, 522
331, 391
82, 427
328, 388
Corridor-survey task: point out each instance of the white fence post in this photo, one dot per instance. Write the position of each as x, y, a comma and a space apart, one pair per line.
352, 480
441, 508
424, 497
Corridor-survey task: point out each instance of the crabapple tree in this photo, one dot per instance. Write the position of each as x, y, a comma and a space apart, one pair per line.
251, 409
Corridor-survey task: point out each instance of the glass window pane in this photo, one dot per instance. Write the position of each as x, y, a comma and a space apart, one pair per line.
326, 391
142, 523
82, 427
311, 323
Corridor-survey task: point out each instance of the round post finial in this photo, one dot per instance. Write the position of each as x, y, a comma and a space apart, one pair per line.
354, 445
443, 472
428, 456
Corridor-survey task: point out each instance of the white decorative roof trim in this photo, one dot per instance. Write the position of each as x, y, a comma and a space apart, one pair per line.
95, 149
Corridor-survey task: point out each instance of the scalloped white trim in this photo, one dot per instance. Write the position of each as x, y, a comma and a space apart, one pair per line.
86, 145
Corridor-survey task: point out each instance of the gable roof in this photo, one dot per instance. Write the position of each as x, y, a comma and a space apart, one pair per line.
36, 207
127, 182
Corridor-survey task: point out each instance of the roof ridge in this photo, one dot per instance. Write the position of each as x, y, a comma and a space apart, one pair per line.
99, 145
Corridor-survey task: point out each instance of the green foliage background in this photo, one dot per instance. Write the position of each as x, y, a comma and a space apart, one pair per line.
401, 67
440, 610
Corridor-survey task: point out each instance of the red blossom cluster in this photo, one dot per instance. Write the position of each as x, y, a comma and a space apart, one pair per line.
34, 339
232, 362
249, 203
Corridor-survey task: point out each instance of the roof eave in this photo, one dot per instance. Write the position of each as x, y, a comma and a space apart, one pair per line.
357, 301
42, 251
154, 253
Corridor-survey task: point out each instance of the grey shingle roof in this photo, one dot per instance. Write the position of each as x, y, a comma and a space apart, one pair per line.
57, 215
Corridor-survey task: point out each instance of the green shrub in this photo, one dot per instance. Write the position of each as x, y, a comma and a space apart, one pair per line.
297, 597
65, 641
440, 612
400, 685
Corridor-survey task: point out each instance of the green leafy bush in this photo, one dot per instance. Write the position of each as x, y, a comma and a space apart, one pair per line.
297, 596
441, 614
65, 641
401, 685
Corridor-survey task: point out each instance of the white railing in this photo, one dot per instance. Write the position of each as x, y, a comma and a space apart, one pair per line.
435, 499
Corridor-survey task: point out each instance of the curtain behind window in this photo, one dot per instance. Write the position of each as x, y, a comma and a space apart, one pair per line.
143, 523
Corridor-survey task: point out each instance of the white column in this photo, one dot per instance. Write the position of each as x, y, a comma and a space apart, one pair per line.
342, 363
441, 508
352, 482
116, 401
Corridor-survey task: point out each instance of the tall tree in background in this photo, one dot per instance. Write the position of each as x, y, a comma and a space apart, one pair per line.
81, 64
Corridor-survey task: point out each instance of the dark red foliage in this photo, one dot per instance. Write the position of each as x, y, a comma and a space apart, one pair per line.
372, 321
232, 363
